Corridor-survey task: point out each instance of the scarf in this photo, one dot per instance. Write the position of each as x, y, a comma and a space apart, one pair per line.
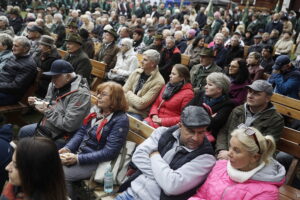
213, 101
241, 176
171, 89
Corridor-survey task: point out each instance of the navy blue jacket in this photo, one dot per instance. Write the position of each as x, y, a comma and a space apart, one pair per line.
90, 151
287, 84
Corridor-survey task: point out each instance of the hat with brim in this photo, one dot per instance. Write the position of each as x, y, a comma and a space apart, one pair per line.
47, 40
36, 28
208, 52
60, 67
158, 37
261, 86
281, 61
73, 37
112, 32
194, 117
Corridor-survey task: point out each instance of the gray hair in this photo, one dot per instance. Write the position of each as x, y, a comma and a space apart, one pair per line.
24, 41
4, 19
152, 55
6, 40
220, 80
58, 17
171, 38
127, 42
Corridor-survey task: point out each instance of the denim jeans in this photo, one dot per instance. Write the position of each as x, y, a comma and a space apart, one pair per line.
27, 131
124, 196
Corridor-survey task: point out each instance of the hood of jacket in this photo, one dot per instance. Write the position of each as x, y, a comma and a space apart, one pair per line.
273, 173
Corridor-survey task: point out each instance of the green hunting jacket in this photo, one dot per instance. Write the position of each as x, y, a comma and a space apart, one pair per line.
268, 122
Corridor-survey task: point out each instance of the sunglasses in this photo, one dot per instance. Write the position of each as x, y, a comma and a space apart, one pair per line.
250, 132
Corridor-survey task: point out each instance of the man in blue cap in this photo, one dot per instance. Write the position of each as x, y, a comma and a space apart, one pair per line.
285, 77
66, 104
173, 161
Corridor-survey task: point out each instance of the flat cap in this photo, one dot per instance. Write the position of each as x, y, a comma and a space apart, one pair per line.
194, 117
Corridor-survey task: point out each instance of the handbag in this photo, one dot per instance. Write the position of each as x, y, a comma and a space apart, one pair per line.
119, 165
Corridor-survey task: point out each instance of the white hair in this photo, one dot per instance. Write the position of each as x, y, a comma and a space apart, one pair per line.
127, 42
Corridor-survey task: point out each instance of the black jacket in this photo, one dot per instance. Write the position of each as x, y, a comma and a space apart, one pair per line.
18, 75
222, 110
44, 62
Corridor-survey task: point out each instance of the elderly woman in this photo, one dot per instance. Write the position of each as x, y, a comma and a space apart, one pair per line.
284, 45
6, 44
30, 177
44, 58
86, 23
250, 172
172, 99
239, 76
217, 98
256, 71
127, 62
58, 30
4, 26
101, 136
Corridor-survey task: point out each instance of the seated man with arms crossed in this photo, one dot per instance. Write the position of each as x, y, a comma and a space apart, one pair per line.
173, 161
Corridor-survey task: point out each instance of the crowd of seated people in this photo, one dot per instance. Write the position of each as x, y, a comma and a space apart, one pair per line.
213, 118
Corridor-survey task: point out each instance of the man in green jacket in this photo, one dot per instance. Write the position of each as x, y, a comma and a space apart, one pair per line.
77, 57
200, 71
257, 112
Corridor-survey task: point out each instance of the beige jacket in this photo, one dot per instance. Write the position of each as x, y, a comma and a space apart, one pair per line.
283, 46
141, 102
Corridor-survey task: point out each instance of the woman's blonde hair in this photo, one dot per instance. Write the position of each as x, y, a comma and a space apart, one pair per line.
266, 143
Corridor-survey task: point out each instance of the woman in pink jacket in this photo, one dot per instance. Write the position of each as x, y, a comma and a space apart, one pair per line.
172, 98
249, 174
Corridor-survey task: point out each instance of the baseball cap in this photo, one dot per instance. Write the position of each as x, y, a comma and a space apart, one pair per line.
261, 86
281, 61
60, 67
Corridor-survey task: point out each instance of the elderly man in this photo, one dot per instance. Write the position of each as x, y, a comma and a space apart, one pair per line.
285, 77
143, 85
34, 34
169, 57
18, 74
173, 162
257, 112
66, 104
77, 57
44, 57
6, 44
4, 26
200, 71
180, 42
109, 49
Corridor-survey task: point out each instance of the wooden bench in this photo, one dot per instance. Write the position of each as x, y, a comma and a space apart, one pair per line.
185, 60
98, 70
289, 142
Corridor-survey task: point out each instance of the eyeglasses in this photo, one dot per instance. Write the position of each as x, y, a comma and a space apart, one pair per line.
250, 132
102, 94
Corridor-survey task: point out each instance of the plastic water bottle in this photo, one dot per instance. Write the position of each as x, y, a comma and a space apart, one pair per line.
108, 181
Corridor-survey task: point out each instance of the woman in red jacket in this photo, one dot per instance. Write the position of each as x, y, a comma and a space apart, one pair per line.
172, 98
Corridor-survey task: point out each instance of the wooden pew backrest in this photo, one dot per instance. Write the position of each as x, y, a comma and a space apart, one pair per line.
286, 106
185, 59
